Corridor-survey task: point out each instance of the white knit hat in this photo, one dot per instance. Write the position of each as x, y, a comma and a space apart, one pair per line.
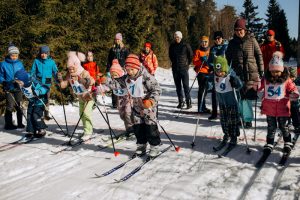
276, 63
178, 34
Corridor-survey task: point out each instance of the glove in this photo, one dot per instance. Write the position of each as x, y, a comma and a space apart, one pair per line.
148, 103
87, 96
203, 58
251, 94
233, 82
59, 76
20, 83
294, 96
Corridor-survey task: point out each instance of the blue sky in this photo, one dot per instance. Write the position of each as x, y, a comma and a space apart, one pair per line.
291, 8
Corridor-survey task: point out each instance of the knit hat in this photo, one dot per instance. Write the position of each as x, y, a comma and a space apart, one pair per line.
178, 34
118, 36
23, 76
240, 23
218, 34
73, 60
220, 64
148, 44
276, 63
132, 61
270, 32
116, 67
204, 38
293, 72
44, 49
12, 49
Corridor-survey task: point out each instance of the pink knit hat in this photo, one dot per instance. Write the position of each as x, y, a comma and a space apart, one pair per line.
276, 63
116, 67
132, 61
118, 36
73, 60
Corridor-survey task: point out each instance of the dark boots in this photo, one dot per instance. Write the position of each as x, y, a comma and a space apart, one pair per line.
8, 121
180, 105
188, 104
20, 119
46, 115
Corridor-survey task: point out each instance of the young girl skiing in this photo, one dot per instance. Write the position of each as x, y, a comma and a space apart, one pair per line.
279, 90
226, 82
81, 83
145, 91
36, 93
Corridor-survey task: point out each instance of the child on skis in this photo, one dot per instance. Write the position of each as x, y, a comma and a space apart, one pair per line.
295, 105
36, 93
226, 82
81, 82
144, 91
279, 90
8, 68
124, 102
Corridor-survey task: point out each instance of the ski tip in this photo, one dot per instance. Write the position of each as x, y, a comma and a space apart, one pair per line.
177, 149
116, 153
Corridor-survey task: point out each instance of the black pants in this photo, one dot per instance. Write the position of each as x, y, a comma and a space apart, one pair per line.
272, 126
34, 118
147, 133
202, 91
229, 117
214, 101
295, 115
181, 79
11, 99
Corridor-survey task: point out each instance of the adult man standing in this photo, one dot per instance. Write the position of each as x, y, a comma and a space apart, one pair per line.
181, 55
269, 46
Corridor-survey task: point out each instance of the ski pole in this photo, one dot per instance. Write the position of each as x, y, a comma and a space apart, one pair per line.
63, 105
177, 149
235, 96
254, 138
20, 107
190, 88
201, 104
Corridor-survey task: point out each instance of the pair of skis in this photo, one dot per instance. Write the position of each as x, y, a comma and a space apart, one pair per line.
21, 141
226, 151
135, 170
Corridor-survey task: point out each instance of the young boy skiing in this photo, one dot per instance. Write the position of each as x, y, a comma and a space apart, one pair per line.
144, 91
36, 93
8, 68
279, 90
226, 82
81, 83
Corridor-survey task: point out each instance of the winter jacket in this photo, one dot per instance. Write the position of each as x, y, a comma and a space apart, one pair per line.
92, 68
276, 102
181, 55
40, 91
224, 89
143, 86
200, 60
268, 48
8, 68
216, 50
119, 53
149, 61
245, 57
43, 70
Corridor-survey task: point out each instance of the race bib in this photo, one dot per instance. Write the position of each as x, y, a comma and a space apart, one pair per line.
120, 92
135, 88
222, 84
77, 87
274, 91
27, 91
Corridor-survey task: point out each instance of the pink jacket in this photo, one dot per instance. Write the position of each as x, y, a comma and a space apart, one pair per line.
276, 98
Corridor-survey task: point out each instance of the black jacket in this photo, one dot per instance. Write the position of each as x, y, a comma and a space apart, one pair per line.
181, 55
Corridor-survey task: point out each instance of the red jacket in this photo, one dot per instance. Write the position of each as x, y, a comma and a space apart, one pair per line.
149, 61
92, 68
276, 102
268, 48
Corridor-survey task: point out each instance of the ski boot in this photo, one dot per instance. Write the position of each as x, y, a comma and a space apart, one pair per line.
221, 144
141, 149
154, 151
40, 133
287, 147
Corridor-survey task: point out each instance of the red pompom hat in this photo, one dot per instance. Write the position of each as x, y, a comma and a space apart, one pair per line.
132, 61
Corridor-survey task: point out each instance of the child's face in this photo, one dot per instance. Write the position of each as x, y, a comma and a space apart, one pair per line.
276, 73
220, 74
14, 56
72, 69
131, 71
114, 75
90, 57
44, 56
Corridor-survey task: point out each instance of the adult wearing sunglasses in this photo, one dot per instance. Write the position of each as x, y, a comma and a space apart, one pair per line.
245, 58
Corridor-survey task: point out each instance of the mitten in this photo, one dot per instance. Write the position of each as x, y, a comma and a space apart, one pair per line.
148, 103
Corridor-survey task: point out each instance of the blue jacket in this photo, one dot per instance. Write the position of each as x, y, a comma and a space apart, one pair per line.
216, 50
8, 68
43, 70
40, 93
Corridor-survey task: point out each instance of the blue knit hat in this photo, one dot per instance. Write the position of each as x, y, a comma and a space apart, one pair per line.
44, 49
23, 76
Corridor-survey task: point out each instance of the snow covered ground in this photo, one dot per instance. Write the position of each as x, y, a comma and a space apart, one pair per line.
33, 171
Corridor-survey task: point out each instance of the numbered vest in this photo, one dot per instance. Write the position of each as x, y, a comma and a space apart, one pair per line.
27, 91
274, 91
135, 88
222, 84
120, 92
77, 87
